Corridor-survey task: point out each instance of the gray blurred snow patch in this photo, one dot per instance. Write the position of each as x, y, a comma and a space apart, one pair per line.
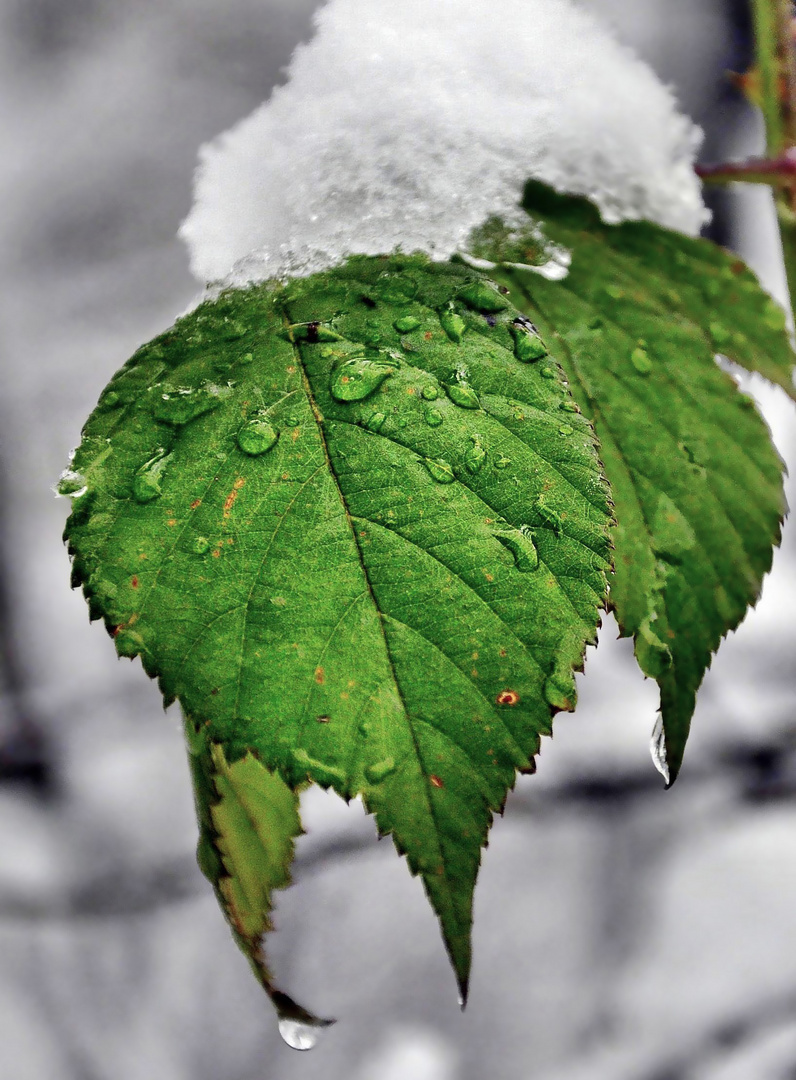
408, 124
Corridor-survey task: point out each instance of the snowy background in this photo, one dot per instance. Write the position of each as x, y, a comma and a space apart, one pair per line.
622, 933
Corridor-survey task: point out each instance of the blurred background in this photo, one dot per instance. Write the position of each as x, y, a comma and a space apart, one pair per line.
622, 932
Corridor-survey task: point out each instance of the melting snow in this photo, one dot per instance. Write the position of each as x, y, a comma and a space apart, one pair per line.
408, 124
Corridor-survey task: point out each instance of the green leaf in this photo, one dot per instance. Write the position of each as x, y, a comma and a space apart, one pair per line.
364, 542
696, 482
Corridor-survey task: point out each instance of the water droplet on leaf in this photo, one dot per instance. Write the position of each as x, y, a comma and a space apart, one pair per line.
430, 392
528, 346
565, 429
200, 545
439, 470
569, 406
452, 323
355, 379
463, 395
406, 324
520, 543
376, 421
433, 417
482, 297
71, 483
183, 404
475, 455
257, 437
149, 478
547, 372
502, 462
380, 770
641, 361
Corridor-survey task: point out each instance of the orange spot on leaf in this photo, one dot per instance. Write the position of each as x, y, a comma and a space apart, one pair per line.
435, 780
320, 676
195, 503
230, 500
134, 581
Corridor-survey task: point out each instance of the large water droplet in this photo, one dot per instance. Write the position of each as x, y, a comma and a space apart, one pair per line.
200, 545
658, 749
565, 429
149, 478
311, 332
528, 346
520, 543
547, 372
257, 437
406, 324
380, 770
439, 470
452, 323
463, 395
482, 297
640, 360
433, 417
299, 1035
355, 379
183, 404
475, 455
71, 483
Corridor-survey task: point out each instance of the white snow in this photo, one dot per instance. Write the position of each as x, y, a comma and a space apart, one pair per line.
406, 124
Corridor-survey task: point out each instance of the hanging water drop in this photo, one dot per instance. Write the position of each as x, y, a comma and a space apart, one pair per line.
149, 478
406, 324
257, 437
569, 406
528, 346
302, 1034
452, 323
520, 543
658, 749
482, 297
356, 379
475, 455
111, 400
433, 417
439, 470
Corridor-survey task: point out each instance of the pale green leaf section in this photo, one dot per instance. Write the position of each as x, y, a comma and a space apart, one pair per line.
696, 482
